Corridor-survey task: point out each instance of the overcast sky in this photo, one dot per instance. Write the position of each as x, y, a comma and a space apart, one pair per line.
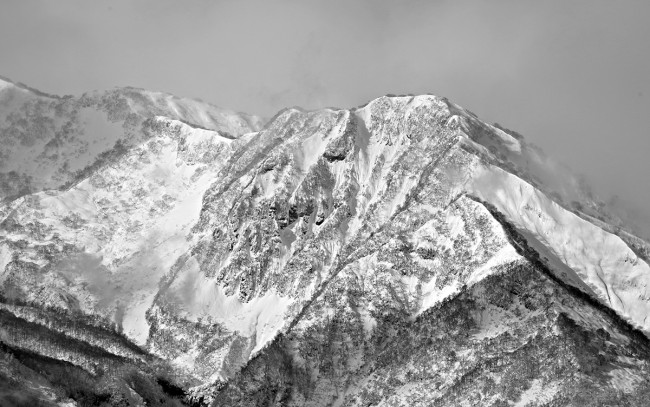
572, 76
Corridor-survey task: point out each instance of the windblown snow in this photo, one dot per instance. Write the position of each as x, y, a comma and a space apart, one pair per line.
601, 260
202, 236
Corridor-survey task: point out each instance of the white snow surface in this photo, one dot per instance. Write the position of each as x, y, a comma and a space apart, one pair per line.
507, 254
138, 212
601, 259
136, 217
202, 297
537, 394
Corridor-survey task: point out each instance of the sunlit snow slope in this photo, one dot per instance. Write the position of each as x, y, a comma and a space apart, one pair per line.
172, 234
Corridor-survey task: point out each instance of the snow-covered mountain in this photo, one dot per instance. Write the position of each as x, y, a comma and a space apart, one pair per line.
161, 250
51, 142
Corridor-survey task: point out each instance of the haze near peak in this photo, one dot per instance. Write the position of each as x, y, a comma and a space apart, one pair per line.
572, 77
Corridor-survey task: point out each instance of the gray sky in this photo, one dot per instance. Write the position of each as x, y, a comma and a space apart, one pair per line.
572, 76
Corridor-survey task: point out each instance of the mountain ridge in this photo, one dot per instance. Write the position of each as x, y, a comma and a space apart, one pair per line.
217, 255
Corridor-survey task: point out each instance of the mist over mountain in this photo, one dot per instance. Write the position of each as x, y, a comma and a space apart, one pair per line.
573, 77
157, 250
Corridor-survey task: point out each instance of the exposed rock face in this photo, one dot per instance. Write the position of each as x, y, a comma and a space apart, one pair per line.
400, 253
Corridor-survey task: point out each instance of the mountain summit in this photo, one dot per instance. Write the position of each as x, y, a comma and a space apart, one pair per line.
162, 251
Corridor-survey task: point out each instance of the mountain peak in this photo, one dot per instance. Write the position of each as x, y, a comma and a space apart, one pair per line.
54, 142
8, 83
380, 254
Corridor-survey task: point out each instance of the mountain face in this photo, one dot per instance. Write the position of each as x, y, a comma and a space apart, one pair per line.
162, 251
52, 142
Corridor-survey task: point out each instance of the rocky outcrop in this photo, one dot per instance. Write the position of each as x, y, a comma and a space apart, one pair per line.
403, 252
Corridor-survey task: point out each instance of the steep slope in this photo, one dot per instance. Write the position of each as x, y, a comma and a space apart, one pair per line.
514, 338
402, 252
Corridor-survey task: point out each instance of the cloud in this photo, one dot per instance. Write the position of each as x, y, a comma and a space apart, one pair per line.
567, 75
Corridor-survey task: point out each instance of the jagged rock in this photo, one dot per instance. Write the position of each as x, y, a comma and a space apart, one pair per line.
400, 253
